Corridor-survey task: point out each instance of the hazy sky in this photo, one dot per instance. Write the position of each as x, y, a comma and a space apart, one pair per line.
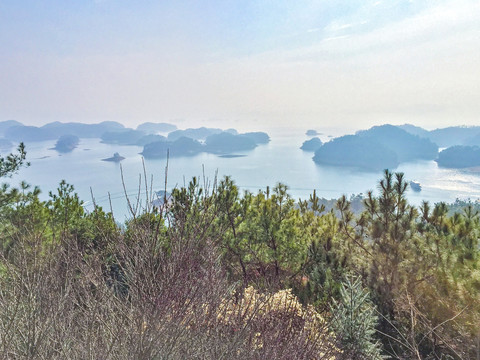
351, 63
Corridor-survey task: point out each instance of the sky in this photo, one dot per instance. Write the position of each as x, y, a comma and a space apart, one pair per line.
242, 63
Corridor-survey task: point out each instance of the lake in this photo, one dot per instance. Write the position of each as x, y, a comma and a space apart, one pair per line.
279, 161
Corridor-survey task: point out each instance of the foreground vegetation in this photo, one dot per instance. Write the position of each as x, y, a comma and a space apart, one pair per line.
215, 274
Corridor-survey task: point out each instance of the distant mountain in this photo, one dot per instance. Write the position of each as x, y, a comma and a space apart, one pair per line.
66, 143
123, 137
356, 151
221, 143
311, 145
154, 128
227, 143
380, 147
181, 147
454, 135
29, 133
54, 130
4, 125
147, 139
258, 137
473, 141
406, 146
197, 134
459, 157
231, 131
415, 130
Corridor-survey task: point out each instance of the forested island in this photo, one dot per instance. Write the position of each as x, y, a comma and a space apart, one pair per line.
130, 137
459, 157
182, 146
66, 143
155, 128
312, 132
54, 130
311, 145
356, 151
226, 142
249, 276
446, 137
380, 147
198, 133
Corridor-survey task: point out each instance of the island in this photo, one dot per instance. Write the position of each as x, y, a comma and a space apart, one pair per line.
415, 130
453, 135
154, 128
378, 148
115, 158
311, 145
181, 147
225, 143
66, 143
406, 146
312, 132
459, 156
358, 152
56, 129
5, 125
473, 141
198, 134
122, 137
147, 139
258, 137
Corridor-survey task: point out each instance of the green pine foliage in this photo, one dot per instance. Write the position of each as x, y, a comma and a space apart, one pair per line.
354, 321
12, 162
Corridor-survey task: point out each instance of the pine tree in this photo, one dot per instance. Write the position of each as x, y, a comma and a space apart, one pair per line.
355, 320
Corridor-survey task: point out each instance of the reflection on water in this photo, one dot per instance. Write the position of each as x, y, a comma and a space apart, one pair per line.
279, 161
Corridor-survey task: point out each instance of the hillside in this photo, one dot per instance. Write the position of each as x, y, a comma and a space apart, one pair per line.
459, 157
311, 145
356, 151
54, 130
406, 146
154, 128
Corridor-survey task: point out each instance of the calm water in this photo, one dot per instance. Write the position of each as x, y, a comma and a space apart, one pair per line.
279, 161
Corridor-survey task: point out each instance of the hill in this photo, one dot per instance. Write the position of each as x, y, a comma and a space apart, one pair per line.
453, 135
459, 157
197, 134
258, 137
4, 125
415, 130
54, 130
154, 128
473, 141
406, 146
356, 151
66, 143
124, 137
228, 143
181, 147
311, 145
